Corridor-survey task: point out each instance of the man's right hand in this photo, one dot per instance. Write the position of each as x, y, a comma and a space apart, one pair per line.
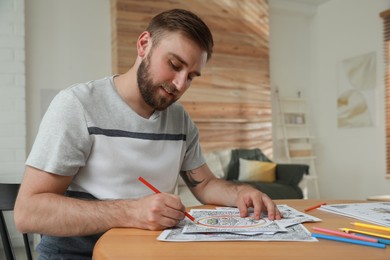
158, 211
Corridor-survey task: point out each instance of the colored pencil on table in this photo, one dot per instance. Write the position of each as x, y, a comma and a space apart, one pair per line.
348, 240
343, 234
150, 186
371, 226
348, 230
380, 240
315, 206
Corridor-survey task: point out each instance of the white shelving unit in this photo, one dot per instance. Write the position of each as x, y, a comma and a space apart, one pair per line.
295, 134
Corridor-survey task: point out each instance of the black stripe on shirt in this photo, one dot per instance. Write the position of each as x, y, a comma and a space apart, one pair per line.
146, 136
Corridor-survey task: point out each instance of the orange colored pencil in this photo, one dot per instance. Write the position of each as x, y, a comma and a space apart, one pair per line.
315, 206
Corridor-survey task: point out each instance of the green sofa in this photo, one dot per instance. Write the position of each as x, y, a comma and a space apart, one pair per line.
225, 164
288, 176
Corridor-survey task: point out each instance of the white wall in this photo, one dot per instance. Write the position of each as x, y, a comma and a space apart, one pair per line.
66, 42
12, 98
289, 58
12, 90
351, 162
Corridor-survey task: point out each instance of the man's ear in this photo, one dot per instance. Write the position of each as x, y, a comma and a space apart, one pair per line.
144, 43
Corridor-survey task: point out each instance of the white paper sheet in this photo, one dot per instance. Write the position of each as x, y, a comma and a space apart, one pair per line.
374, 212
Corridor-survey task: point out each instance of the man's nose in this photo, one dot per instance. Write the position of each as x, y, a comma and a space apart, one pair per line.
180, 82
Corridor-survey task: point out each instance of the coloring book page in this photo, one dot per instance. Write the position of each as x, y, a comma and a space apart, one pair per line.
290, 215
293, 233
225, 224
374, 212
222, 221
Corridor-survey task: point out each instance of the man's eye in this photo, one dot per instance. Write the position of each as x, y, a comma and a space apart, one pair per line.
176, 68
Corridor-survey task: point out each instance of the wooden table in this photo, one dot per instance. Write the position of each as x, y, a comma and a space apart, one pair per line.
128, 243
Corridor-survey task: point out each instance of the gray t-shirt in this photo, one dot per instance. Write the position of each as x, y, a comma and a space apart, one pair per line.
90, 133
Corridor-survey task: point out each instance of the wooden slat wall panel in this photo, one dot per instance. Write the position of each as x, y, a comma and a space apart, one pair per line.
386, 36
231, 102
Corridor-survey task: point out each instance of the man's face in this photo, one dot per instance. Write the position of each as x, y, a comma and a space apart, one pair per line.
167, 70
149, 90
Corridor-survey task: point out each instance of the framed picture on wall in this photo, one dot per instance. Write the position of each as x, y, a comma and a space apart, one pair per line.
357, 81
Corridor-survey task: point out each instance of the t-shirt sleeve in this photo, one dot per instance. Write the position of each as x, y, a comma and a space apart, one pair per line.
193, 157
63, 143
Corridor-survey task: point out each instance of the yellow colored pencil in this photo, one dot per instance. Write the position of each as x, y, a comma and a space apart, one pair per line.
348, 230
358, 224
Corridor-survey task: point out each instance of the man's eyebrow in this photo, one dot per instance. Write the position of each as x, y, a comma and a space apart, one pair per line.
197, 73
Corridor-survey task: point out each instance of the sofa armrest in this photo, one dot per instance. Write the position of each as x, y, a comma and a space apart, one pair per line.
291, 174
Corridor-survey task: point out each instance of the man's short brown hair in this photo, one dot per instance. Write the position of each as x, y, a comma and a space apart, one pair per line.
183, 21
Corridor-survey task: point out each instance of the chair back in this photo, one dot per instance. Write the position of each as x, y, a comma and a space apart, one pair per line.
8, 193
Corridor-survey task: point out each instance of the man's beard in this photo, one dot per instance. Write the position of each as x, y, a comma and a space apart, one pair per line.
149, 90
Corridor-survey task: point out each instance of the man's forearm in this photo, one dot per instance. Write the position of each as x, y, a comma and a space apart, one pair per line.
57, 215
220, 192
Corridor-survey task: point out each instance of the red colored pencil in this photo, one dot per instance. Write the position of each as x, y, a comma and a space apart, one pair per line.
150, 186
316, 206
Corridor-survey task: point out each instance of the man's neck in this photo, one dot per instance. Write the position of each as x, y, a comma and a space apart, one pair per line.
127, 87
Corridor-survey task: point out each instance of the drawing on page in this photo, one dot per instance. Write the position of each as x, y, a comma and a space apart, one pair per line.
230, 221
